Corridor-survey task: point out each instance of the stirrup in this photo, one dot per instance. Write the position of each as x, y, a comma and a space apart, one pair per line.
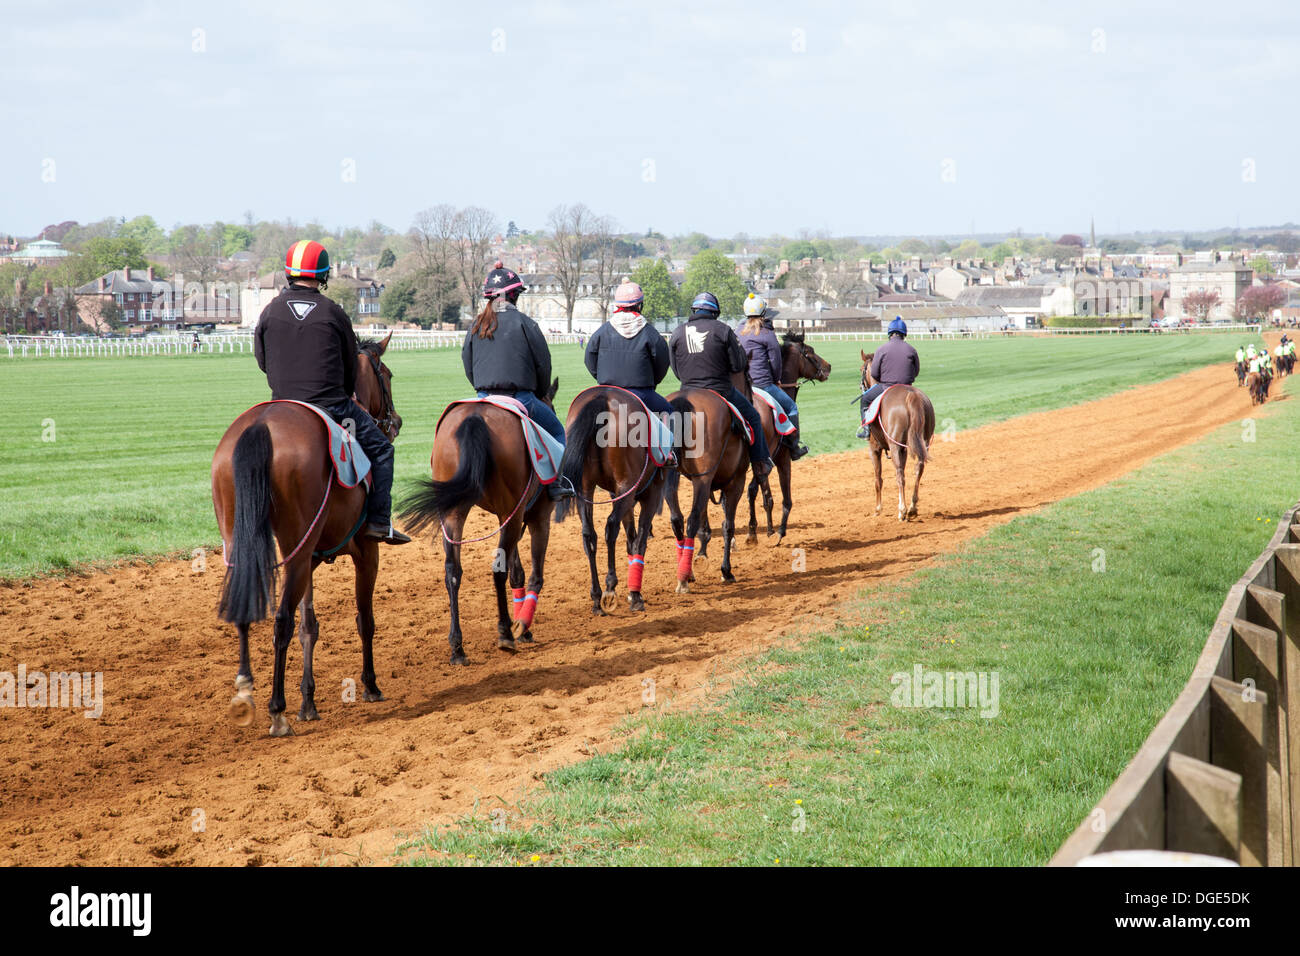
864, 432
560, 488
385, 533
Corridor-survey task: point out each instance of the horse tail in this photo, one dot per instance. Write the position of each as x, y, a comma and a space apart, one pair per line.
582, 433
432, 500
916, 428
249, 587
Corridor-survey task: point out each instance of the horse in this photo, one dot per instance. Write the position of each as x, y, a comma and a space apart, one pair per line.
1240, 368
906, 422
798, 362
1257, 389
714, 457
273, 481
480, 458
625, 469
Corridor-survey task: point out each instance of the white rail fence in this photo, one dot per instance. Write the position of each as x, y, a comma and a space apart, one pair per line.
54, 346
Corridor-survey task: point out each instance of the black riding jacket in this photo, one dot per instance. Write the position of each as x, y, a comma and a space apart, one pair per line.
305, 344
704, 352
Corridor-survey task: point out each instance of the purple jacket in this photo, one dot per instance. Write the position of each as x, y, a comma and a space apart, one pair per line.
895, 363
764, 354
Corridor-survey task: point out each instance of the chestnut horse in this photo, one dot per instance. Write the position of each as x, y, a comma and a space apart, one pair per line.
1257, 388
905, 423
798, 362
714, 456
619, 463
480, 458
272, 481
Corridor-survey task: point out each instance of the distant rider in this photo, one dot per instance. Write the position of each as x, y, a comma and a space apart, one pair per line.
505, 353
629, 352
758, 339
305, 344
895, 363
704, 353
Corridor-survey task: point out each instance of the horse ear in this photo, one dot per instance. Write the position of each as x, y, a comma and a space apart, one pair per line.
865, 356
383, 345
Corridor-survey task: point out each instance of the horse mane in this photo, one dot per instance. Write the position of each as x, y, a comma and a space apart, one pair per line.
371, 346
792, 338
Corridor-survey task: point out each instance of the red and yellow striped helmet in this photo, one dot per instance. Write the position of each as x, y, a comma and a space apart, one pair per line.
307, 259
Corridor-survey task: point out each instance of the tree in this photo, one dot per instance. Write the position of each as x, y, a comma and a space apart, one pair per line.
1198, 305
800, 249
661, 298
511, 230
397, 301
711, 271
607, 262
472, 231
235, 239
110, 253
387, 259
433, 235
195, 251
152, 239
1257, 302
1070, 239
1262, 266
571, 231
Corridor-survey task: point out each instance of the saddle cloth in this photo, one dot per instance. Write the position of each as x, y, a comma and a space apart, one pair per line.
874, 410
544, 452
660, 437
744, 425
783, 424
351, 466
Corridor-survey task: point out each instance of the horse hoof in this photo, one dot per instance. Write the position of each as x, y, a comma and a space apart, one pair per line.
598, 611
752, 540
683, 587
608, 601
526, 637
305, 714
460, 658
728, 577
506, 644
372, 696
517, 629
280, 726
635, 602
241, 709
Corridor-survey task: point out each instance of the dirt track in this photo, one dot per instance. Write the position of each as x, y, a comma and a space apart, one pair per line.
121, 789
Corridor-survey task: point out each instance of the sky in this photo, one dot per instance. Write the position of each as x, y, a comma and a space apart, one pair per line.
893, 118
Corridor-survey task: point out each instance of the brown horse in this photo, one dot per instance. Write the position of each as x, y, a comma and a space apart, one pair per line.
1257, 388
480, 458
272, 481
608, 447
905, 423
798, 362
714, 456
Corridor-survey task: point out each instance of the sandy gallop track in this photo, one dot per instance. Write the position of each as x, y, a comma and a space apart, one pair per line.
124, 788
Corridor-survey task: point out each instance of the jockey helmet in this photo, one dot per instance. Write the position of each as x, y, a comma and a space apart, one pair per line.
500, 281
755, 305
307, 259
899, 326
706, 302
628, 295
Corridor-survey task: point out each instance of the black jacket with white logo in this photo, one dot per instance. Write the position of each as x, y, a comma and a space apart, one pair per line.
704, 352
305, 344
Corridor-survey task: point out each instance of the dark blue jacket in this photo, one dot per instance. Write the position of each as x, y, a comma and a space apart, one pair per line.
638, 362
515, 359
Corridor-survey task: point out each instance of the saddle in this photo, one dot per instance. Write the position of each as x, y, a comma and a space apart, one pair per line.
873, 412
351, 466
782, 421
660, 439
544, 452
744, 425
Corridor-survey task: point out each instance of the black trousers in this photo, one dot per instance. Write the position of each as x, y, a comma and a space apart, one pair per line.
378, 449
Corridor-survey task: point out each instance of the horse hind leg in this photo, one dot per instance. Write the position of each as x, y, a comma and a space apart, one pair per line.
752, 538
589, 546
241, 705
609, 597
507, 545
366, 562
916, 489
296, 580
900, 471
308, 634
451, 577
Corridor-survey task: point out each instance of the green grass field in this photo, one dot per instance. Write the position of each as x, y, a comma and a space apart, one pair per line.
806, 760
103, 459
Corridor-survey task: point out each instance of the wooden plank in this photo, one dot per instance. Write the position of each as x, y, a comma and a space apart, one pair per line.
1202, 808
1267, 607
1239, 735
1287, 569
1255, 665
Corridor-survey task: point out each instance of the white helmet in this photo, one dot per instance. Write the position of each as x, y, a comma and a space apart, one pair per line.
755, 305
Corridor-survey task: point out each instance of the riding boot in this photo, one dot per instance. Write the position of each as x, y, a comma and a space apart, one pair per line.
560, 488
797, 450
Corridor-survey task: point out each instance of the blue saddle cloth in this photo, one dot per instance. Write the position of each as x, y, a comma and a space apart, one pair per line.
660, 437
544, 452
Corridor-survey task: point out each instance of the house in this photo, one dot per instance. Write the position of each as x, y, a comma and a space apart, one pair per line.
143, 299
367, 290
1229, 278
1025, 305
210, 308
944, 317
543, 300
41, 252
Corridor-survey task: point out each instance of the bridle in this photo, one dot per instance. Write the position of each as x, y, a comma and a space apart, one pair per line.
804, 350
388, 423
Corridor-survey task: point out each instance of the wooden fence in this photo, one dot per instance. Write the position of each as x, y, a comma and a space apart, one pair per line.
1220, 773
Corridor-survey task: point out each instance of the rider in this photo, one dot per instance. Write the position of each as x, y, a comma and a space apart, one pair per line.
895, 363
704, 353
1241, 361
305, 344
505, 353
758, 339
629, 352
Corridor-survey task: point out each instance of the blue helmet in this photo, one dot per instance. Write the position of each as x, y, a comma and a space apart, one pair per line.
898, 325
706, 302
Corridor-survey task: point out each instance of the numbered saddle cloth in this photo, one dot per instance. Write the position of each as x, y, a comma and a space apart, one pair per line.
783, 424
351, 466
544, 452
874, 410
660, 435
